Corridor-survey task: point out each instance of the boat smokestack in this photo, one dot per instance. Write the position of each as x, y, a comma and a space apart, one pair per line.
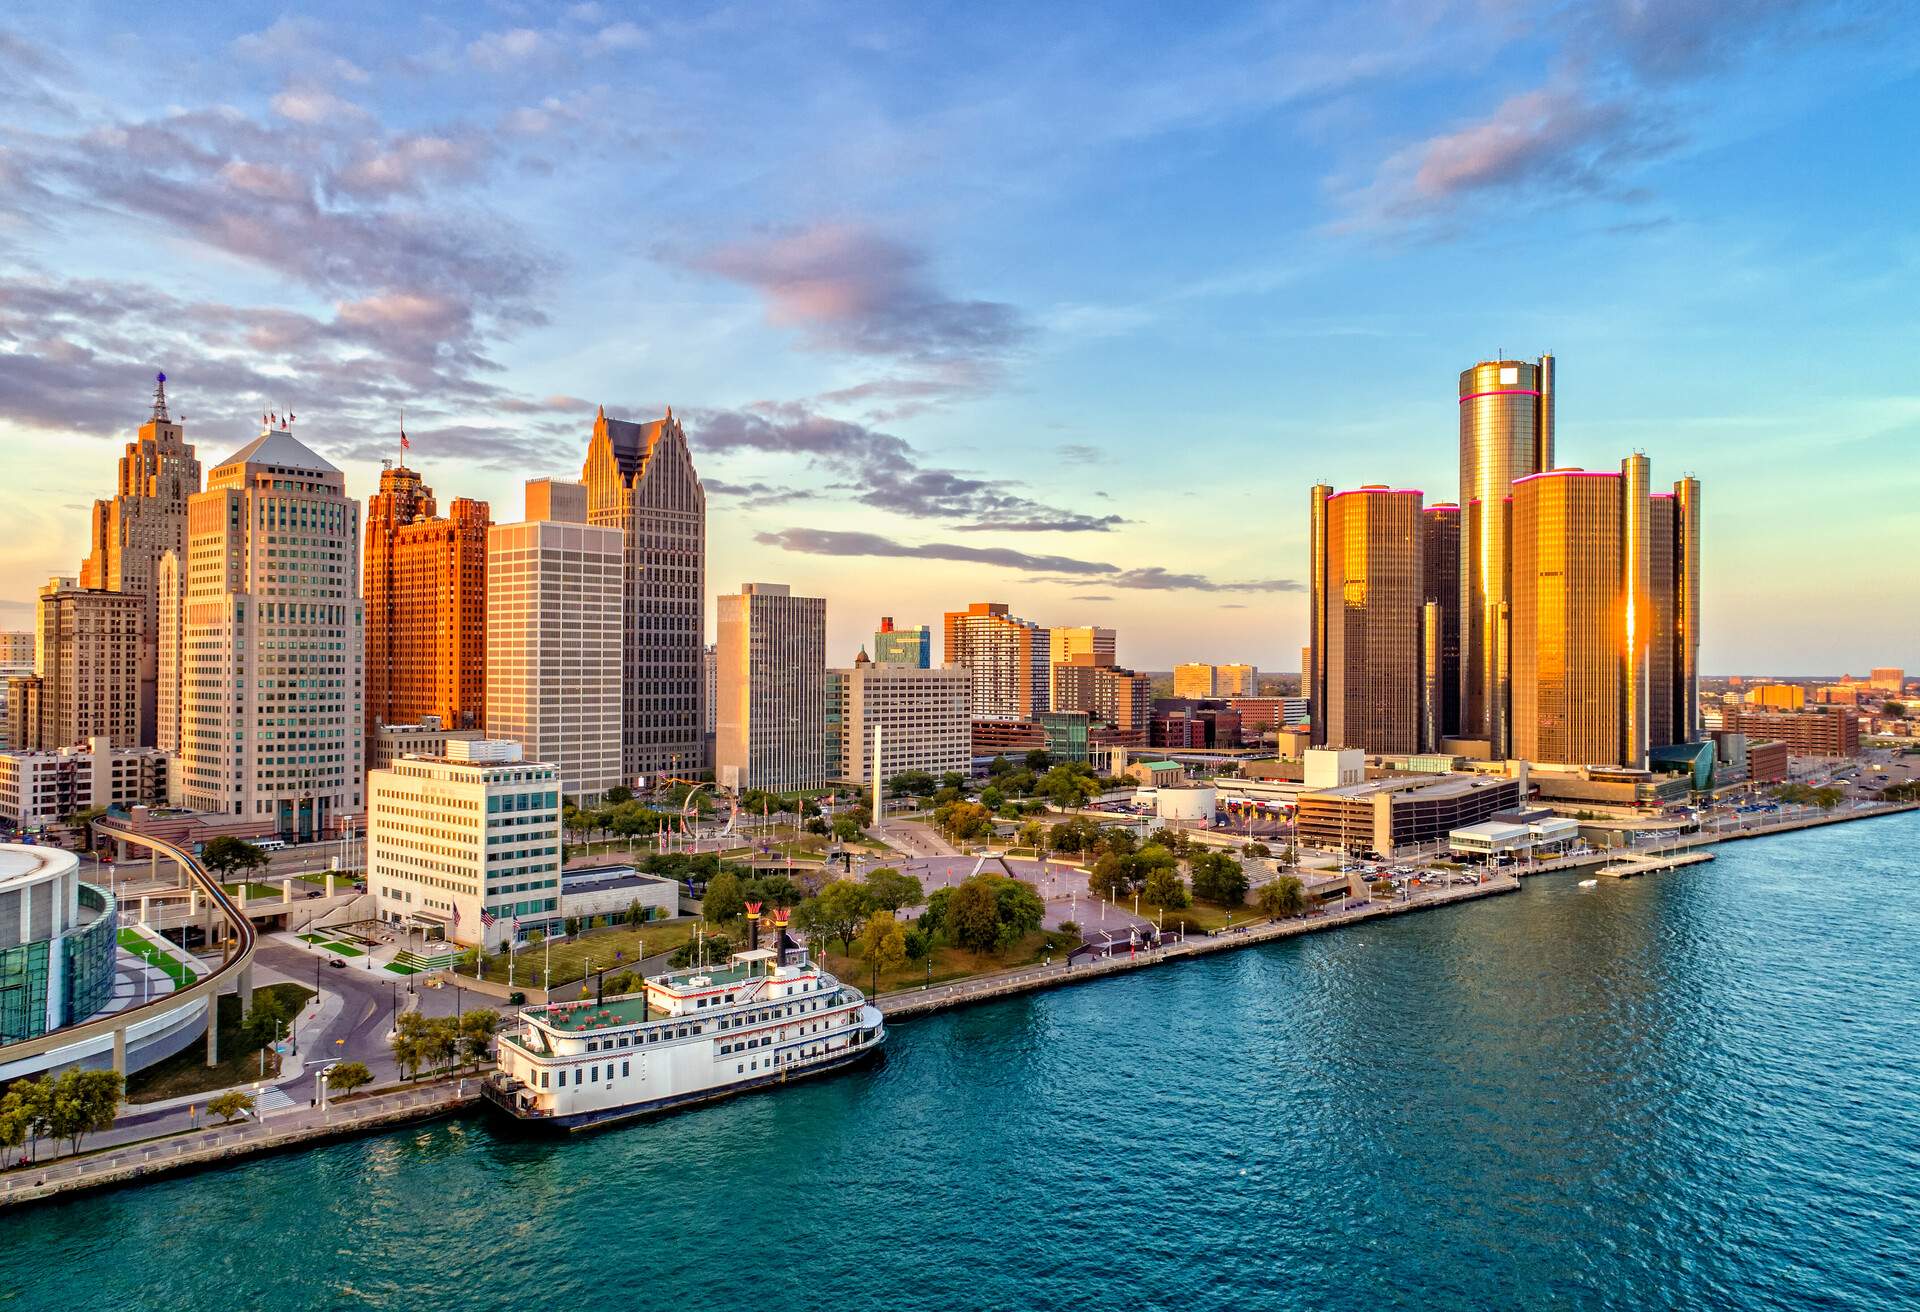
753, 925
781, 916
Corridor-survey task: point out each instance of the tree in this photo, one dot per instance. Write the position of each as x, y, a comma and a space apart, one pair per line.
1033, 834
883, 945
26, 1112
346, 1076
973, 915
618, 795
891, 890
82, 821
625, 982
992, 798
264, 1018
1174, 840
846, 828
964, 821
476, 1031
1112, 876
1039, 759
226, 854
420, 1041
838, 911
1282, 898
636, 914
1258, 849
1118, 841
725, 898
230, 1106
1070, 784
1218, 878
912, 783
713, 947
1165, 888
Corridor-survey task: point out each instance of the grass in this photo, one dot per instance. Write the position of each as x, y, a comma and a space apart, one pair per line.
187, 1071
341, 949
255, 892
949, 963
570, 955
399, 969
1200, 917
313, 938
144, 948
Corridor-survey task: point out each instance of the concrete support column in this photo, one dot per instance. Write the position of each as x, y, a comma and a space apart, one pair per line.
286, 890
329, 883
143, 908
120, 1052
213, 1029
246, 989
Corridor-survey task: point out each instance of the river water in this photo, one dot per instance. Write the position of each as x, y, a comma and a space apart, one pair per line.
1696, 1089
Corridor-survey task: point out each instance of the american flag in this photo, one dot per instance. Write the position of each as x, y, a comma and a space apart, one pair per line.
486, 917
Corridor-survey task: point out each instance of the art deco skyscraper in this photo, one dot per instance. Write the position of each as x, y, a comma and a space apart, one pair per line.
1506, 433
271, 712
426, 604
640, 479
144, 519
1367, 599
87, 662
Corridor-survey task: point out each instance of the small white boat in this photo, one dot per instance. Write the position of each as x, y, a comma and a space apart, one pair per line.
1588, 883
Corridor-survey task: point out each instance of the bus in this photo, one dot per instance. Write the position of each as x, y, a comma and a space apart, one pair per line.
269, 844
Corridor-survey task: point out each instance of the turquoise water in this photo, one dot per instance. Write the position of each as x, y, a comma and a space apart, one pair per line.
1696, 1089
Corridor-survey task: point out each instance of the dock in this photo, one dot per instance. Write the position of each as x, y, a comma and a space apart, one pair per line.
1645, 863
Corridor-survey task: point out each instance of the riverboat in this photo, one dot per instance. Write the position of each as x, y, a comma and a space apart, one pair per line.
767, 1017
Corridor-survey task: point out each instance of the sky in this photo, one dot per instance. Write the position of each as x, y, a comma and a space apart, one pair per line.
1063, 305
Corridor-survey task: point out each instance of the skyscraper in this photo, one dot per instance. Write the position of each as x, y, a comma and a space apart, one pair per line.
87, 667
1604, 647
425, 588
269, 652
1121, 699
770, 710
556, 596
1367, 599
144, 519
1007, 658
923, 716
1195, 680
897, 646
1506, 433
640, 479
1440, 579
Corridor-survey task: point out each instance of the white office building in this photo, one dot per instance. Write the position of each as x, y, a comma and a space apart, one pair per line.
466, 845
770, 709
924, 716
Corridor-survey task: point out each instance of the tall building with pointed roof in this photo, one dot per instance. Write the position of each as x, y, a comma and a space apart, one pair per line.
268, 644
640, 479
130, 531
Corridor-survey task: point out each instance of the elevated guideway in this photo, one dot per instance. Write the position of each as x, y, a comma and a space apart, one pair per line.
234, 973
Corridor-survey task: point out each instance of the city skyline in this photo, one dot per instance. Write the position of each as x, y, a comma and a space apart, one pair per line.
889, 331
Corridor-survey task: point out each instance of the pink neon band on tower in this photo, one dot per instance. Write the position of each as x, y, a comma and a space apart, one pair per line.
1504, 391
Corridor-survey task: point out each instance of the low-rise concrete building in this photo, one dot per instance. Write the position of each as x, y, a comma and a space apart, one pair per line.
589, 891
1393, 815
41, 787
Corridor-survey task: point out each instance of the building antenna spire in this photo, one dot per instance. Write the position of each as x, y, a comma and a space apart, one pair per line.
160, 398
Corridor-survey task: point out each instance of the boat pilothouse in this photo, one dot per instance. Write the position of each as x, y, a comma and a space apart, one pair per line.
768, 1016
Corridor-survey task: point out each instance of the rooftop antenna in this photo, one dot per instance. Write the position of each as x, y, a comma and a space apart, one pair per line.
160, 399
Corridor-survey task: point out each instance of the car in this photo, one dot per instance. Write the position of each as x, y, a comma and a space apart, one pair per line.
316, 893
336, 963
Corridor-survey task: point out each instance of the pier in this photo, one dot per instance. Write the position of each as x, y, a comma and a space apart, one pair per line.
1645, 863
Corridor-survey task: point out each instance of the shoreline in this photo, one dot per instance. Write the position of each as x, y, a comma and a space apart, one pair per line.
400, 1107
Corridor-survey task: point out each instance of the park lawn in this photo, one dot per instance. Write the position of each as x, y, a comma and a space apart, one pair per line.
949, 963
255, 892
1201, 917
600, 946
396, 968
178, 971
187, 1071
313, 938
341, 949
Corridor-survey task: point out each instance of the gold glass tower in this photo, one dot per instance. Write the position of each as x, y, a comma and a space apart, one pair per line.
1506, 433
1368, 604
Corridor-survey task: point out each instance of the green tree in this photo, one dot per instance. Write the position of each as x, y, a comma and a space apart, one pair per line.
838, 911
883, 946
1070, 784
1218, 878
625, 982
891, 890
1116, 840
1038, 759
1282, 898
1258, 849
225, 855
912, 783
1112, 876
476, 1029
846, 828
82, 821
346, 1076
1032, 834
1165, 888
714, 947
992, 798
618, 794
264, 1019
1174, 840
973, 915
725, 899
230, 1106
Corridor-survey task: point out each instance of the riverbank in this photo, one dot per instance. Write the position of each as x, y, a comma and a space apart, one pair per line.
195, 1150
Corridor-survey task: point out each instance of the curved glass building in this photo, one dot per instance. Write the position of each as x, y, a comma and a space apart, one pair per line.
57, 943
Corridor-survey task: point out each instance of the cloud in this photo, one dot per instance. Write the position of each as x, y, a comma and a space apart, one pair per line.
620, 36
1089, 596
1066, 570
499, 52
754, 495
313, 105
409, 165
1079, 453
845, 542
883, 471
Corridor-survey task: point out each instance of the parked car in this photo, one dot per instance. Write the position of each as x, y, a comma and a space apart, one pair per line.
336, 963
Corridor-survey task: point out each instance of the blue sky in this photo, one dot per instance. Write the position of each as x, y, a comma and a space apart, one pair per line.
1065, 305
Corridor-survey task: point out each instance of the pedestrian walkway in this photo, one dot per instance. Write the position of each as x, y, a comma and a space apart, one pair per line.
271, 1099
